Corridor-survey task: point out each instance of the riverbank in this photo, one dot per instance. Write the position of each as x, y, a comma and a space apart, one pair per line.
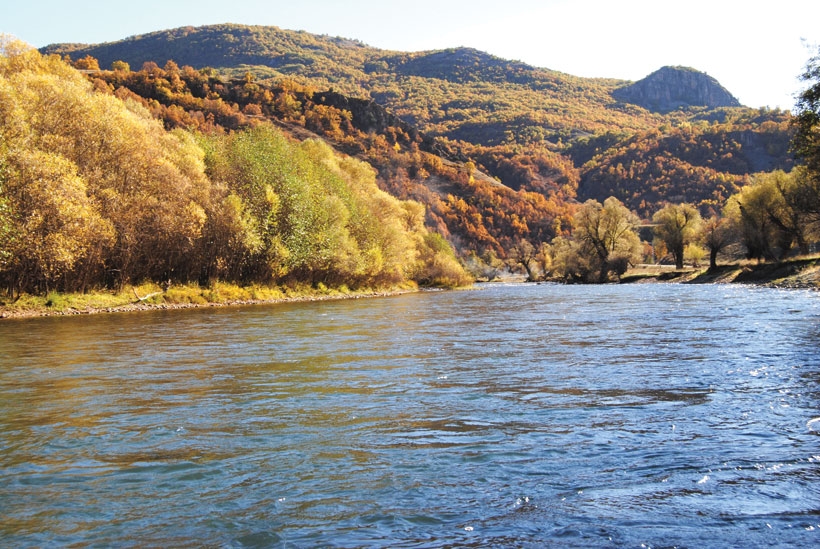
794, 273
801, 273
149, 296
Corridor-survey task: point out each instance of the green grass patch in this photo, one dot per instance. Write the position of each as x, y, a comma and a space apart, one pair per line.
266, 293
56, 302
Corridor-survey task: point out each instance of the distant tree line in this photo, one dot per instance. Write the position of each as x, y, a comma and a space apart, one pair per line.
777, 214
771, 216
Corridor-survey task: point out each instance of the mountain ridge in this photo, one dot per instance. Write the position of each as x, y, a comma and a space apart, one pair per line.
496, 113
459, 93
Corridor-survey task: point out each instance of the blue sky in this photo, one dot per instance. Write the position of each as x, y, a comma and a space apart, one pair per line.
755, 49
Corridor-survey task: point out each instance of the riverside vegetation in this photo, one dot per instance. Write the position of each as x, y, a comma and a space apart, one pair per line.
97, 194
181, 176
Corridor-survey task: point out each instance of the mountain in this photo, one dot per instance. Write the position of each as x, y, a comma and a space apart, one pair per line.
274, 51
506, 126
672, 88
457, 93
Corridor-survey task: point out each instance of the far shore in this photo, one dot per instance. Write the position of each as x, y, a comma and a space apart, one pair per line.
798, 273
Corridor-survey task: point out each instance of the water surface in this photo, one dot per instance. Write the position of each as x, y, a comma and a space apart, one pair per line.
511, 416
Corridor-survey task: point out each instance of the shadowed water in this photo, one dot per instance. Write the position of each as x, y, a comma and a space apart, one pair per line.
512, 416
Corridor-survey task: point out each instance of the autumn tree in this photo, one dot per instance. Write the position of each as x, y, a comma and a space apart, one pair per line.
6, 221
749, 212
304, 213
804, 195
569, 260
98, 191
717, 233
796, 210
772, 216
57, 226
806, 141
799, 212
95, 191
604, 239
525, 255
694, 252
677, 225
87, 63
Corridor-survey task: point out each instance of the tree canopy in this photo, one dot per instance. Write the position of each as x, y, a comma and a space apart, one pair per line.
94, 191
806, 143
677, 225
604, 240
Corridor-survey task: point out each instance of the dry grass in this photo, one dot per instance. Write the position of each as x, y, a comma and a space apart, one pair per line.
152, 296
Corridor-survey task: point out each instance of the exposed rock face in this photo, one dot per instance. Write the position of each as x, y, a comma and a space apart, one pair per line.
671, 88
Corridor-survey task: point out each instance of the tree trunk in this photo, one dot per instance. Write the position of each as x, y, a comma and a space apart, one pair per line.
678, 253
713, 259
802, 245
527, 268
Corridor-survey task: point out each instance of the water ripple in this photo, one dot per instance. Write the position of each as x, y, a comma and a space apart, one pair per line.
512, 416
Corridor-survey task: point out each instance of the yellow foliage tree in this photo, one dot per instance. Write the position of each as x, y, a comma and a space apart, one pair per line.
149, 184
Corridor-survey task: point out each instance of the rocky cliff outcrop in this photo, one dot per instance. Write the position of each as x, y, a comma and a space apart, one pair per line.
671, 88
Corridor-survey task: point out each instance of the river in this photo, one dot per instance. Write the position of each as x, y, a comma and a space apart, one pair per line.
509, 416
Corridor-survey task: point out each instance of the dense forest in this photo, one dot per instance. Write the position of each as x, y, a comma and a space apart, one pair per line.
702, 163
497, 113
475, 212
94, 191
286, 156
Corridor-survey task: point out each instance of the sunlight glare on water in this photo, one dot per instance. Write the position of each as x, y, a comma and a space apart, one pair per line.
510, 416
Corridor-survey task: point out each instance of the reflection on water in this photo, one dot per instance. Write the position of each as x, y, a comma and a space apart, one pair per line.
517, 415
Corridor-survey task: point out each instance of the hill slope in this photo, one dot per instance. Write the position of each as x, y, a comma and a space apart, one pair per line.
474, 211
534, 129
286, 52
459, 93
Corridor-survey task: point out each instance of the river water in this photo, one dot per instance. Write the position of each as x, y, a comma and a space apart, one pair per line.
509, 416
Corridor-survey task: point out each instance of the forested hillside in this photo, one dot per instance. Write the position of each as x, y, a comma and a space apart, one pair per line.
702, 163
500, 153
475, 212
459, 93
531, 128
95, 192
